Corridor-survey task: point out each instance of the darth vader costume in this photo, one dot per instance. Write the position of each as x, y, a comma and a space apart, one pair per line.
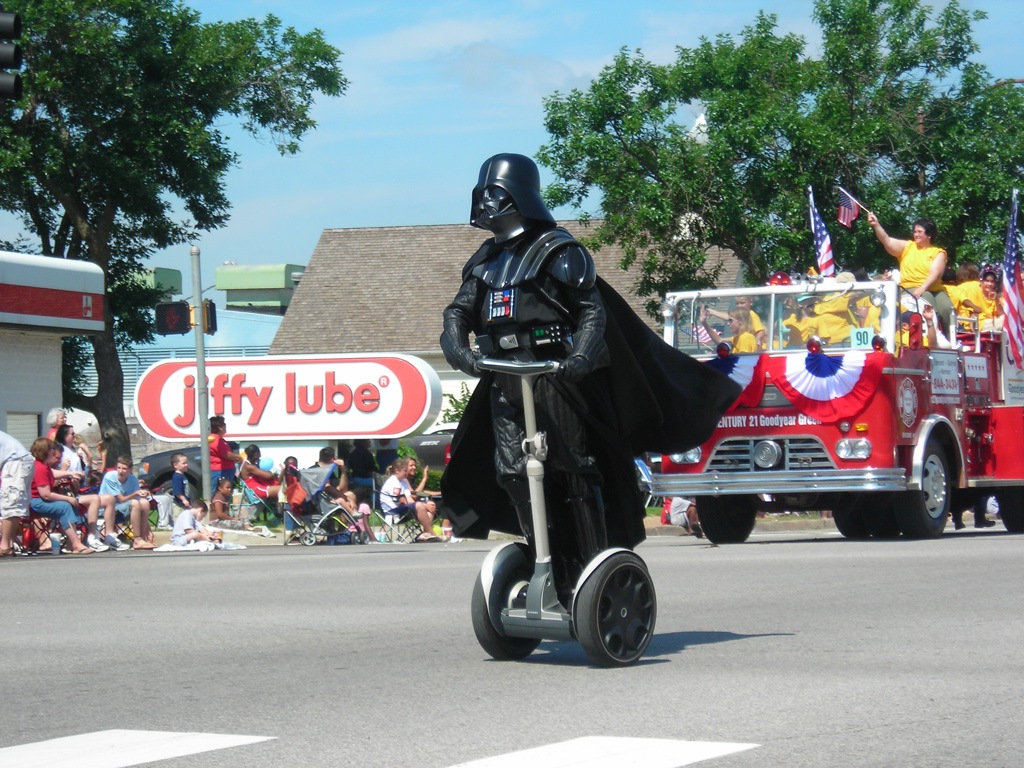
531, 293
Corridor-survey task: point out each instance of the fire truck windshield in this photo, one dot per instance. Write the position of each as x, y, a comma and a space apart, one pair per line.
841, 315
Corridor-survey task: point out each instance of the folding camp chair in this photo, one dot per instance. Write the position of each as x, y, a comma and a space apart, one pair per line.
250, 506
36, 531
396, 528
645, 478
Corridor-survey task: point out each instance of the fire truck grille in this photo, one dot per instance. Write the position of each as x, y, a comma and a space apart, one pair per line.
737, 455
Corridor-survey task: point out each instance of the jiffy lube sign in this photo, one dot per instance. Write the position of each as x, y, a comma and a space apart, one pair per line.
292, 398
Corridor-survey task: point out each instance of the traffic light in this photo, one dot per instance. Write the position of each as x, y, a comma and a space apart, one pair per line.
10, 55
209, 317
173, 317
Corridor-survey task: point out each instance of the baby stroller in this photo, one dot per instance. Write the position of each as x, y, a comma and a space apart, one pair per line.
312, 515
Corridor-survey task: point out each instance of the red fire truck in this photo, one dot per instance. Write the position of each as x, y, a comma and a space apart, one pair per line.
849, 404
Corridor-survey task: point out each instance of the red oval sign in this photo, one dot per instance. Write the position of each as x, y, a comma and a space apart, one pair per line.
292, 398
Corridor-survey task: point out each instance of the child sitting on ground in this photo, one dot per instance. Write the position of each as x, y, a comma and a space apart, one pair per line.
187, 526
220, 508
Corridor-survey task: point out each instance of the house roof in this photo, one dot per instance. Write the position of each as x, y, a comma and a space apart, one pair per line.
373, 289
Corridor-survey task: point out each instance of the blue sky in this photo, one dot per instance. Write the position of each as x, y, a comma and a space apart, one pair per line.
437, 87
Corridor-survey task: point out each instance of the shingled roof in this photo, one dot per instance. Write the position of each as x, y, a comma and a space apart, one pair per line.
377, 289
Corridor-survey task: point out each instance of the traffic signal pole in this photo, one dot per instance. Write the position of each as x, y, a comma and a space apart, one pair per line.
202, 398
10, 55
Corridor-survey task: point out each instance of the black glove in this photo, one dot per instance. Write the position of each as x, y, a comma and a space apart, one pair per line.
573, 369
460, 357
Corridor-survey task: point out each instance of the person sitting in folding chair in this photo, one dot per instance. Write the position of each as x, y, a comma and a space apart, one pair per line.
263, 483
131, 504
397, 499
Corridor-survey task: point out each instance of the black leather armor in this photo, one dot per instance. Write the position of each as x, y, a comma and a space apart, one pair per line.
530, 294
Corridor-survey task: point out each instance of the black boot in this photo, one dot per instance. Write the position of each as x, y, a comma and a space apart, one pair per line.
980, 520
958, 519
586, 506
518, 490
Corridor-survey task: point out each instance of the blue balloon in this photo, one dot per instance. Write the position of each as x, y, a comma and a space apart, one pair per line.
266, 464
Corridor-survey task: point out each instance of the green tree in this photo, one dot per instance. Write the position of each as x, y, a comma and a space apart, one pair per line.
117, 147
893, 110
456, 406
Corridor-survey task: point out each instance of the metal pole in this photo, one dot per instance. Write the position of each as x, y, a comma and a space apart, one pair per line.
202, 398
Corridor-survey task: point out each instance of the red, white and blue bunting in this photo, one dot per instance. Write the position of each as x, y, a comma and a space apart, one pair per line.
828, 387
747, 371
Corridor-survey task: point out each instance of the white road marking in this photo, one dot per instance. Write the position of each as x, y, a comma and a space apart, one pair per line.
117, 748
611, 752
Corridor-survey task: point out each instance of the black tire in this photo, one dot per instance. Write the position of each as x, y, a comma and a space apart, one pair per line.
307, 538
923, 514
727, 519
847, 513
615, 611
880, 516
1011, 508
498, 646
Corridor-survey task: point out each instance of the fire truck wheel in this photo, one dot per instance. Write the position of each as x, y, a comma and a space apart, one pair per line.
1011, 508
846, 512
727, 519
923, 514
880, 517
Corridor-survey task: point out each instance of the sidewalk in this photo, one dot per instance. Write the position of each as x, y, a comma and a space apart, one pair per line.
235, 537
768, 524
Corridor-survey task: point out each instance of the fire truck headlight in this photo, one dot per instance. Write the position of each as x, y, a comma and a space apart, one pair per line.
854, 450
692, 456
767, 454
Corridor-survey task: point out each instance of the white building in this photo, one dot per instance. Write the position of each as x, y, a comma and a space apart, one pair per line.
42, 299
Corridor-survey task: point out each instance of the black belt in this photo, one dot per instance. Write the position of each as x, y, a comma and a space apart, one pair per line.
541, 336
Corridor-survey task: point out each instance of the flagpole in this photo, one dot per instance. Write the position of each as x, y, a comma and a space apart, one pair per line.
858, 202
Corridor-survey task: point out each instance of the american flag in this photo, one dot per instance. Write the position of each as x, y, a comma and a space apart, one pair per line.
822, 242
1013, 306
698, 333
849, 208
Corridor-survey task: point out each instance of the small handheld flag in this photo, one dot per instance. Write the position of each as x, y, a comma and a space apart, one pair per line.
849, 208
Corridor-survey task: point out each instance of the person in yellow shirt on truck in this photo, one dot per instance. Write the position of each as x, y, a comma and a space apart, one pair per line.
743, 338
921, 264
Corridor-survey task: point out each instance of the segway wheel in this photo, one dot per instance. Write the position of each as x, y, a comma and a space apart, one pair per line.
307, 538
615, 611
497, 644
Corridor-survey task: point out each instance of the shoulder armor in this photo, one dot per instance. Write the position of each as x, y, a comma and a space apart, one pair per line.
566, 260
574, 266
486, 250
502, 268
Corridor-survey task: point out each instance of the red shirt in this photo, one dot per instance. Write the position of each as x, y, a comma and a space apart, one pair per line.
43, 476
219, 450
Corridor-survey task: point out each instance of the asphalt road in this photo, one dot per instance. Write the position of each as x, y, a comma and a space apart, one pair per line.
823, 652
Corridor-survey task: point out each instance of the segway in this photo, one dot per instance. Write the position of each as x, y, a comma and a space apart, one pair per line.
515, 604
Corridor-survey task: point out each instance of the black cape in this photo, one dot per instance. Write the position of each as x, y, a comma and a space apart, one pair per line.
651, 397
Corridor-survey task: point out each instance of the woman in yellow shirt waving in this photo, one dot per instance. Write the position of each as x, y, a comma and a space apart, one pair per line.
921, 264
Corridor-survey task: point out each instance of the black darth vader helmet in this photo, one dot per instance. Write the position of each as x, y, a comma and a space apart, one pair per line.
506, 198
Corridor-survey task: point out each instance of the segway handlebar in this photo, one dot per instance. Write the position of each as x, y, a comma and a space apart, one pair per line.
516, 368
